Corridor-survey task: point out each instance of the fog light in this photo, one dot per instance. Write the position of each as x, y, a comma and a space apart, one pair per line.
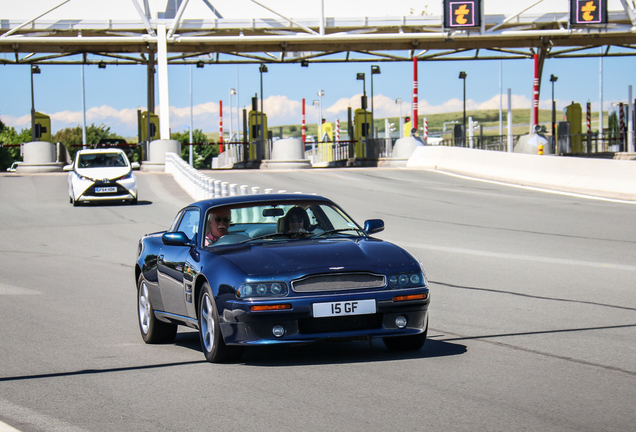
400, 322
279, 331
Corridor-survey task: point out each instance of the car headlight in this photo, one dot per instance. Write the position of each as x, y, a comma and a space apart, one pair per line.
262, 289
407, 280
81, 177
125, 177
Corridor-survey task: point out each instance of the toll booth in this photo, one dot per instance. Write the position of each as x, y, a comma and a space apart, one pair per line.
406, 129
459, 137
142, 126
255, 127
362, 120
327, 128
574, 115
42, 127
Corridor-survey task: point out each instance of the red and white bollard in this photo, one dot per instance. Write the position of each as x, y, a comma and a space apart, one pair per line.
303, 121
414, 121
621, 137
425, 129
220, 127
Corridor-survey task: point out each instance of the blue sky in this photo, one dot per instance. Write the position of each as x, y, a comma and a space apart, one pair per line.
114, 94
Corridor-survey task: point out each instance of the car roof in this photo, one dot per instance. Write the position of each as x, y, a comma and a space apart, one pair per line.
261, 199
100, 150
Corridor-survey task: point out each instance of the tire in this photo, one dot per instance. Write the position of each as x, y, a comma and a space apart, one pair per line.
212, 343
406, 343
152, 330
134, 201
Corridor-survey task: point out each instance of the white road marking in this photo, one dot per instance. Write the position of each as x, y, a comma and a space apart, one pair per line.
32, 419
14, 290
548, 260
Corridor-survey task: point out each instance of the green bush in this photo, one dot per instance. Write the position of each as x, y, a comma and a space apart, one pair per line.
203, 154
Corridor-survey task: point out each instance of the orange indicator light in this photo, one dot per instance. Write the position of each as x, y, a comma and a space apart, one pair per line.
260, 308
409, 297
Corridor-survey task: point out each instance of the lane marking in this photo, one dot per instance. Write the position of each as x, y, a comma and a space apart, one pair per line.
536, 189
14, 290
32, 419
548, 260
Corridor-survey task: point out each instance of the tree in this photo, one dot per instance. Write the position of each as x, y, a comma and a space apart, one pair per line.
203, 154
9, 136
72, 137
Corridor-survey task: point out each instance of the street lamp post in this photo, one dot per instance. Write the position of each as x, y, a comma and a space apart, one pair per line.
553, 79
363, 104
463, 75
398, 101
35, 69
232, 92
262, 69
313, 143
321, 93
375, 70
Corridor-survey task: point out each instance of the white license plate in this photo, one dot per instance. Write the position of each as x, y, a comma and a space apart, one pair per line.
106, 189
341, 308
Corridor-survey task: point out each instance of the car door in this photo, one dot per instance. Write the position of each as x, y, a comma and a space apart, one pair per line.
172, 264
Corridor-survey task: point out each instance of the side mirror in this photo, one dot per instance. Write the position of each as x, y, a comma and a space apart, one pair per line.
68, 167
373, 226
135, 165
176, 239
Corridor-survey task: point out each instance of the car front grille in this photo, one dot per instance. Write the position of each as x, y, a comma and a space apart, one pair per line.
91, 190
340, 324
338, 282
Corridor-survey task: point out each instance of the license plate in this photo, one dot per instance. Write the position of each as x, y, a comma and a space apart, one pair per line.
106, 189
341, 308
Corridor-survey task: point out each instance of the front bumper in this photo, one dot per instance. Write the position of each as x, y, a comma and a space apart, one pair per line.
240, 326
125, 190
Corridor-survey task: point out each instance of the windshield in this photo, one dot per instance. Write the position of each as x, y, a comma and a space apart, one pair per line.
101, 160
278, 222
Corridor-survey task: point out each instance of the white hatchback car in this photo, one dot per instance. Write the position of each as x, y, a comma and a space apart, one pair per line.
101, 175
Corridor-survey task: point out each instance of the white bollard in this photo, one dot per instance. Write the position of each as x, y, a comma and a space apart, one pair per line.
217, 188
244, 190
282, 191
255, 190
233, 191
224, 191
269, 191
210, 188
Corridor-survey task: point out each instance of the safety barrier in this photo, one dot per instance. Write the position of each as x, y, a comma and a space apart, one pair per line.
199, 186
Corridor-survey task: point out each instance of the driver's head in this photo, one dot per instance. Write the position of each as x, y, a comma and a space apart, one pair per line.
219, 222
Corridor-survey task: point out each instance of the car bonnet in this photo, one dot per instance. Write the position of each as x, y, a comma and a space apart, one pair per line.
103, 173
301, 256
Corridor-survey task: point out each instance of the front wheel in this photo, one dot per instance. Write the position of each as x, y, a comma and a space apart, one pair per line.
152, 330
406, 343
212, 343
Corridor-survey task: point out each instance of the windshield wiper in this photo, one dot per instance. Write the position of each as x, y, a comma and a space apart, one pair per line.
277, 234
335, 231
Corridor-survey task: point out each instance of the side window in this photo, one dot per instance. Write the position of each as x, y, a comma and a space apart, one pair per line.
190, 223
175, 222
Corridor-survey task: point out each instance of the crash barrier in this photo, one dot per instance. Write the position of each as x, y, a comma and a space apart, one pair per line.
199, 186
325, 152
589, 176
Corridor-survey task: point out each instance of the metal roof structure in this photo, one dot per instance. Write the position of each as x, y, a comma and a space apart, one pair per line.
205, 35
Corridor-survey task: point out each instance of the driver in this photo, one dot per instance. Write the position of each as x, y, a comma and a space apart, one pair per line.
296, 222
218, 224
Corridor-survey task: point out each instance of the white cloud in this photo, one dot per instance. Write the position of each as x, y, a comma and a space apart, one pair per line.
280, 111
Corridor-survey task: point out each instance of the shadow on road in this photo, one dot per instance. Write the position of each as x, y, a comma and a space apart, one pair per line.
329, 352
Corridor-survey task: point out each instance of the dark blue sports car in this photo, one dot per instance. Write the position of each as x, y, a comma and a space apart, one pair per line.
277, 268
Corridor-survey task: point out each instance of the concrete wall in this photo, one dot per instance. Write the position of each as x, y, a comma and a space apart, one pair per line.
598, 177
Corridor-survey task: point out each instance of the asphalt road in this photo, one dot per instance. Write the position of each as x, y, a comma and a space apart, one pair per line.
533, 316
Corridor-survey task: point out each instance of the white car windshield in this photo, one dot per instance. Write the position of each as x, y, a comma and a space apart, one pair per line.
101, 160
